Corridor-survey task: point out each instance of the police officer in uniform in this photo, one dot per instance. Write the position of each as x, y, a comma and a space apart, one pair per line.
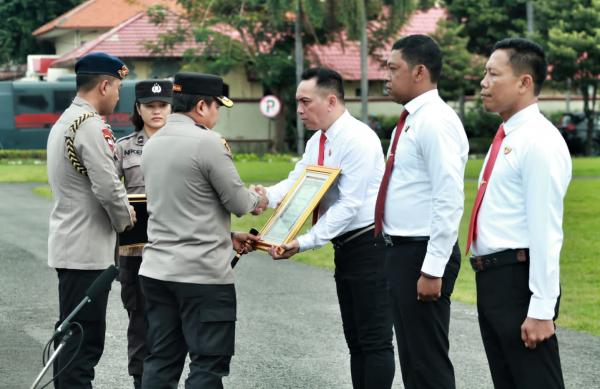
192, 188
150, 111
89, 207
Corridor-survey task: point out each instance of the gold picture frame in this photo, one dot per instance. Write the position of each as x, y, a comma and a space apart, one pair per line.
297, 205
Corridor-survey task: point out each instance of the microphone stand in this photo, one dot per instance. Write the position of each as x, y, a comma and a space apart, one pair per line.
62, 344
102, 282
237, 256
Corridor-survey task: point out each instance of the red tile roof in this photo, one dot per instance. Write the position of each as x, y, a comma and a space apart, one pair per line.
128, 40
346, 58
93, 14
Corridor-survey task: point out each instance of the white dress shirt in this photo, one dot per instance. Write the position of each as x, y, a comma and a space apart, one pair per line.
523, 204
425, 194
350, 203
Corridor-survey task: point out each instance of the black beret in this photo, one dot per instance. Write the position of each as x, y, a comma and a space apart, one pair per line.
203, 85
101, 63
154, 90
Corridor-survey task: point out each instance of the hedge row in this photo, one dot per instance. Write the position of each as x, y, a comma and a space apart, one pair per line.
23, 154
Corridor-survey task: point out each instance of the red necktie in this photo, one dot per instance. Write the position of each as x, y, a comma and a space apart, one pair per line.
389, 166
487, 172
320, 161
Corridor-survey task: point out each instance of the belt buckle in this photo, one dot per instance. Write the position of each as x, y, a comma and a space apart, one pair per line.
387, 239
477, 264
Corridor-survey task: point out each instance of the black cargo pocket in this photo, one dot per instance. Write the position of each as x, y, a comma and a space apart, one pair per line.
215, 333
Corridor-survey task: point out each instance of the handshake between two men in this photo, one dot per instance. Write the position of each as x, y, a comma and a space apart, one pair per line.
244, 242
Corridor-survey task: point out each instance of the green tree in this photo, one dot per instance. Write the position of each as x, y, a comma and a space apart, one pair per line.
573, 49
19, 19
259, 34
488, 21
461, 71
354, 15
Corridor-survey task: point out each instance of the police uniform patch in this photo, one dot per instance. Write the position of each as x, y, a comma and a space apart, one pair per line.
140, 140
109, 138
226, 145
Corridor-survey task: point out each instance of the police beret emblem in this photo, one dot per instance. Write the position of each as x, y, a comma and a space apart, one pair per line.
156, 88
123, 72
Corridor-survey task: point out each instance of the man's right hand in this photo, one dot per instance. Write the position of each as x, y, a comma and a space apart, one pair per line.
132, 217
264, 200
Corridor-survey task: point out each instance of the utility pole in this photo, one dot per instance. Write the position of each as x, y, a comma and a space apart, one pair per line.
364, 74
530, 17
299, 69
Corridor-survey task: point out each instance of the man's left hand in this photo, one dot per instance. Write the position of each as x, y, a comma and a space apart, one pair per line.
429, 288
535, 331
285, 250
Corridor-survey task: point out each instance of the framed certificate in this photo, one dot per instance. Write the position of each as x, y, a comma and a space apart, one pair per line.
297, 205
137, 236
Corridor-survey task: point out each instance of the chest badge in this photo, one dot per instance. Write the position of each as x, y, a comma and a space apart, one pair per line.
507, 150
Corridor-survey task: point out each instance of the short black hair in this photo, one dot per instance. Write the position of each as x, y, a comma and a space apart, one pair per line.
421, 50
526, 56
183, 102
326, 79
86, 82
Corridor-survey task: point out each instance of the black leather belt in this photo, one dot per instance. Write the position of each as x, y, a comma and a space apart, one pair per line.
347, 237
391, 240
501, 258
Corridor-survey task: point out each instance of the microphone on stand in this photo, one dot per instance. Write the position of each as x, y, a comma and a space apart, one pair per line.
100, 284
237, 256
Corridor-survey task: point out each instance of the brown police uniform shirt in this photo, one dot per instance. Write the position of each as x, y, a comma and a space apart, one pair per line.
129, 160
87, 211
193, 188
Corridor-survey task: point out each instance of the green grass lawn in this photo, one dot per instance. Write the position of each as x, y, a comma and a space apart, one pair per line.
580, 270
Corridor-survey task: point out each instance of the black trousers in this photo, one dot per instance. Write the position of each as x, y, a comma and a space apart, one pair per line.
182, 318
365, 309
72, 285
421, 327
503, 297
133, 301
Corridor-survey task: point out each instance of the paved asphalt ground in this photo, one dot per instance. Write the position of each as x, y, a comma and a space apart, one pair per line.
289, 332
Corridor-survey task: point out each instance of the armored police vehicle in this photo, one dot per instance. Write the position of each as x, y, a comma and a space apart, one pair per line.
28, 109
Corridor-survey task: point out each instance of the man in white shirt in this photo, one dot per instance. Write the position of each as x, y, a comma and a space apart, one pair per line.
418, 210
346, 219
516, 223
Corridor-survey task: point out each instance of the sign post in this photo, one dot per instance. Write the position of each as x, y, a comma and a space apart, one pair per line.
270, 106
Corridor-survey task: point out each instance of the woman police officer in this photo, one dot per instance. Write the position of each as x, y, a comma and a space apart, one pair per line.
150, 111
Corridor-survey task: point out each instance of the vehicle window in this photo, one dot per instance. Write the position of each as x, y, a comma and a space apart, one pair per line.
31, 103
63, 99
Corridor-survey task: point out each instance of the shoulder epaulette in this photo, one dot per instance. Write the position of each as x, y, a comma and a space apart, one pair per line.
127, 137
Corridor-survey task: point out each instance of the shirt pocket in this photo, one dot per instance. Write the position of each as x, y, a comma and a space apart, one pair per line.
132, 171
